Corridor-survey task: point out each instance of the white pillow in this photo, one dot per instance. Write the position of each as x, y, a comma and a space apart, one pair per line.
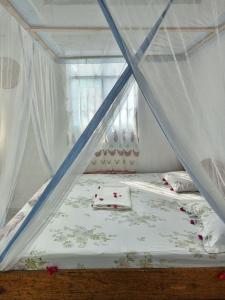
213, 233
179, 182
211, 229
197, 208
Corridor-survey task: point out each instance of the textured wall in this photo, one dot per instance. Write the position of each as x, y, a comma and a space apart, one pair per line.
156, 154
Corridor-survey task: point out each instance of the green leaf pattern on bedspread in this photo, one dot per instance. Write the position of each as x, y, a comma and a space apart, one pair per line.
187, 240
33, 262
132, 260
133, 218
78, 202
119, 239
80, 235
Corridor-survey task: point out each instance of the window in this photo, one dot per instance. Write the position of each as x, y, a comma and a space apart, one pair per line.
90, 84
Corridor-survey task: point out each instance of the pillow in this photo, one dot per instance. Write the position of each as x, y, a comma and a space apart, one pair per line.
197, 208
179, 182
211, 229
213, 233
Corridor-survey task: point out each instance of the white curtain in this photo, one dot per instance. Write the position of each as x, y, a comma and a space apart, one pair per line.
45, 102
89, 85
15, 80
182, 79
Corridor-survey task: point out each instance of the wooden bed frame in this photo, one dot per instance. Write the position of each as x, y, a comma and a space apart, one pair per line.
118, 284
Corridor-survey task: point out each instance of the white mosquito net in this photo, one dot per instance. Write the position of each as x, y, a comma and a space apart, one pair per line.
41, 107
182, 81
15, 79
173, 50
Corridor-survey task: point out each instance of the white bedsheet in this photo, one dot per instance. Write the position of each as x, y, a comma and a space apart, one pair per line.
117, 198
153, 234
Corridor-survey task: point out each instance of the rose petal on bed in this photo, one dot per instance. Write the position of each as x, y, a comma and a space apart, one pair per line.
221, 276
193, 222
52, 269
200, 237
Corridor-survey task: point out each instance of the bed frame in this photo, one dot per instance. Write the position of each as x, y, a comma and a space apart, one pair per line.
110, 284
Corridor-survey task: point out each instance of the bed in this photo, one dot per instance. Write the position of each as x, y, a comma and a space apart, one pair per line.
104, 246
157, 233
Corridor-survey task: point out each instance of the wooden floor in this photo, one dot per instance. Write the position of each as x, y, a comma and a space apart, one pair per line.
132, 284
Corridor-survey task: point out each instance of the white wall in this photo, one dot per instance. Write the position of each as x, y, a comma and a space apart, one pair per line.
156, 154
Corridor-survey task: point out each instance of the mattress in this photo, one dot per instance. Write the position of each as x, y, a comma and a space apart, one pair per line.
153, 234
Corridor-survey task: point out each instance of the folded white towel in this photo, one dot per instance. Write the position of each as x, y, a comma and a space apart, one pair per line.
112, 197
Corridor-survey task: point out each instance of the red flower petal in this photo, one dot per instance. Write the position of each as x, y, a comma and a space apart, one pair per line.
193, 222
51, 270
221, 276
200, 237
182, 209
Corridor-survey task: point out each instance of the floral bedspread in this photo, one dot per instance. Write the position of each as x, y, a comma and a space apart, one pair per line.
155, 233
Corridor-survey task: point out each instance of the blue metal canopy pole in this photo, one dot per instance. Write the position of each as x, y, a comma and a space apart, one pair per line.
83, 139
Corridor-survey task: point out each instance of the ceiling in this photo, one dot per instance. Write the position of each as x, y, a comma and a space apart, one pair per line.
76, 28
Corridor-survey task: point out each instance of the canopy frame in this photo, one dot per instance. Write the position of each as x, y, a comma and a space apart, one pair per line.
211, 32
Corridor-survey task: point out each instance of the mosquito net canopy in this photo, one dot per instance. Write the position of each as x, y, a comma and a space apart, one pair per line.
173, 52
182, 87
